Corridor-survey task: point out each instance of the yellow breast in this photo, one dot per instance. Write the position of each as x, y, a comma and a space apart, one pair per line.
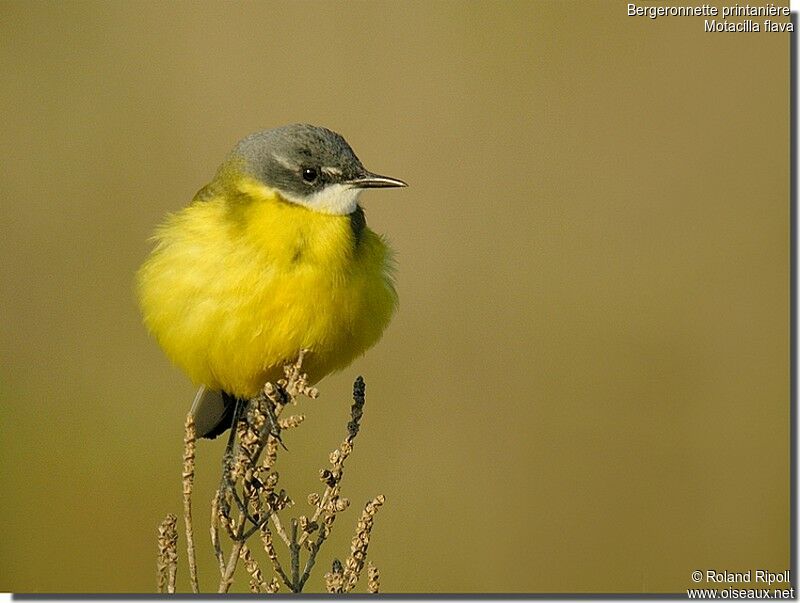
239, 282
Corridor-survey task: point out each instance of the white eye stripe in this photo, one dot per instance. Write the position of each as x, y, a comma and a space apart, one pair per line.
331, 171
285, 162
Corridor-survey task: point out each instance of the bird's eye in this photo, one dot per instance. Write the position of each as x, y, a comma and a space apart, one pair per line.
310, 174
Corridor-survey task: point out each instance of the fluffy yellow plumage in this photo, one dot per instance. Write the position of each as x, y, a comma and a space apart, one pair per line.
243, 278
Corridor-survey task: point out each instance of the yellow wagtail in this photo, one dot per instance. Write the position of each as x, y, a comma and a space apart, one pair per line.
273, 256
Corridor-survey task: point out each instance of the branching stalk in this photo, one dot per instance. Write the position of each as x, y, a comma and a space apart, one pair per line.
249, 500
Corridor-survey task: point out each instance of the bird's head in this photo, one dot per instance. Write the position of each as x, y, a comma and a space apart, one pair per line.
307, 165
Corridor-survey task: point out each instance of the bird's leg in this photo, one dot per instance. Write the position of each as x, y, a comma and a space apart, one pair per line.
273, 427
270, 403
227, 458
228, 481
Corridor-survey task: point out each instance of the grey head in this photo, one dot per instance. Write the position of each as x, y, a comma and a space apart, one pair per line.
308, 165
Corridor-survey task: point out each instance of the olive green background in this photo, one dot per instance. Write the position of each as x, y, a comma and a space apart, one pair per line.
586, 388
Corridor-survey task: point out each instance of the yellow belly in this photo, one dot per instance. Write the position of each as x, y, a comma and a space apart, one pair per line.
236, 286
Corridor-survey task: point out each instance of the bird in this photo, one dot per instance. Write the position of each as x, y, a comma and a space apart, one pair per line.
271, 257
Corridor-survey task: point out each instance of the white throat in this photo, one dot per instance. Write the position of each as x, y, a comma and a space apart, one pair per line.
334, 199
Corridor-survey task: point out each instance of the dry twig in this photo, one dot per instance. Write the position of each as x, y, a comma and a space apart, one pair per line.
167, 554
215, 521
334, 579
189, 441
358, 548
249, 501
374, 577
257, 584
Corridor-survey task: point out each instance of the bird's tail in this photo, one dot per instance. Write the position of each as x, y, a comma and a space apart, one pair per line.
213, 412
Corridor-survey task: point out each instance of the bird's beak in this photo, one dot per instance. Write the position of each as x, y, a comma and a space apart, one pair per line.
370, 180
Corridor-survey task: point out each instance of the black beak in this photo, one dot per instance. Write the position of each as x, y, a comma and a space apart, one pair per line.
370, 180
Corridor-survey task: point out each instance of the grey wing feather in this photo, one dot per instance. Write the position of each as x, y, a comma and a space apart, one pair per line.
209, 409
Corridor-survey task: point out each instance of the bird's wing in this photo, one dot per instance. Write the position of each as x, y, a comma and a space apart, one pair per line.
209, 409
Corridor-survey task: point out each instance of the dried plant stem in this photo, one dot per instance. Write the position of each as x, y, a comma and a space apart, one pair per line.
279, 528
358, 548
314, 548
329, 502
334, 579
320, 506
215, 519
266, 539
248, 500
227, 577
189, 441
167, 553
273, 586
257, 584
374, 578
294, 552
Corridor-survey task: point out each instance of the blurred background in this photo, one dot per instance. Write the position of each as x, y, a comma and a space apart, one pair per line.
586, 388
